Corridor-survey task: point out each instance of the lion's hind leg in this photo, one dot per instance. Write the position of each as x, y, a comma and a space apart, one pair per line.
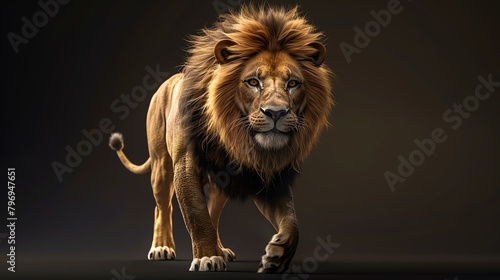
163, 246
216, 201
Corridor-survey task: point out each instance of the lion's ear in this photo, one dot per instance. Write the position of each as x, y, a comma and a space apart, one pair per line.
221, 52
319, 56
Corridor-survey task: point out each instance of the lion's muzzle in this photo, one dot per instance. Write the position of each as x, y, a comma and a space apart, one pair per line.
275, 112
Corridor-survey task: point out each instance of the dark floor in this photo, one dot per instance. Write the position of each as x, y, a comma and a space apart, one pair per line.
178, 269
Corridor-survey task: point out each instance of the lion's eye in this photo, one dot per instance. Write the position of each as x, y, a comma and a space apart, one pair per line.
292, 84
253, 82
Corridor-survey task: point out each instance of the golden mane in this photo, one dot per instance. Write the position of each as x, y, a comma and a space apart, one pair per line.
212, 119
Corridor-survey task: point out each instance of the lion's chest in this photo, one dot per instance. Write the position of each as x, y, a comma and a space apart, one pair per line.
245, 183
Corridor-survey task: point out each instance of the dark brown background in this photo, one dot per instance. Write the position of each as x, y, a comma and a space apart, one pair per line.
442, 219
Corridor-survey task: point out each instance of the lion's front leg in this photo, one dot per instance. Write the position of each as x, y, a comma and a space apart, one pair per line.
280, 250
207, 256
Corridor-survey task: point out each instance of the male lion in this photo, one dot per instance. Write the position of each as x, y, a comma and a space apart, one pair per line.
254, 94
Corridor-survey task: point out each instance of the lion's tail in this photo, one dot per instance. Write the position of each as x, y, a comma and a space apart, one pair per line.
116, 143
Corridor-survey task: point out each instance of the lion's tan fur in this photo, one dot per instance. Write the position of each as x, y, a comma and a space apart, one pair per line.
195, 111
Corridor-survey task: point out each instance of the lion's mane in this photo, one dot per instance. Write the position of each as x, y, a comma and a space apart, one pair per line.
211, 117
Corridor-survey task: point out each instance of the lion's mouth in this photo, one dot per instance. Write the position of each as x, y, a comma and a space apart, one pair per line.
272, 139
274, 130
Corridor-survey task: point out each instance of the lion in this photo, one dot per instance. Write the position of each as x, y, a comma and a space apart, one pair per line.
254, 94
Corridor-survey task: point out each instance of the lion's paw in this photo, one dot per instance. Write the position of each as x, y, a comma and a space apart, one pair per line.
272, 260
214, 263
229, 255
278, 255
161, 253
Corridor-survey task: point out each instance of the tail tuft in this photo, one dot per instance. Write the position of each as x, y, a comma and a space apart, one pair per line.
116, 141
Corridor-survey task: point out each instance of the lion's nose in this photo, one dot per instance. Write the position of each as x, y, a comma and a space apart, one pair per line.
275, 112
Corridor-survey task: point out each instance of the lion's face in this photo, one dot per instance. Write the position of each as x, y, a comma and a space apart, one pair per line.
271, 96
263, 93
